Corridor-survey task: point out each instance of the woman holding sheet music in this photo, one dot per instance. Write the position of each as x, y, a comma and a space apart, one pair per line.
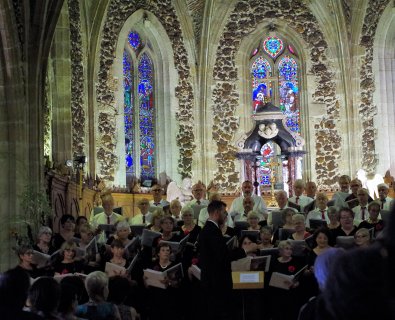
285, 302
346, 227
189, 226
373, 221
118, 252
164, 303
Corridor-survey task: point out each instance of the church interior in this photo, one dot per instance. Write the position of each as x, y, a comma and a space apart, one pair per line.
119, 94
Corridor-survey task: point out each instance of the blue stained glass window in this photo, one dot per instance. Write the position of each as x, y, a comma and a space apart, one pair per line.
146, 117
261, 86
128, 112
134, 40
289, 91
261, 68
139, 109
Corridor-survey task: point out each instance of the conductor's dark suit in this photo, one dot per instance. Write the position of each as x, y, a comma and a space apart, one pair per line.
216, 275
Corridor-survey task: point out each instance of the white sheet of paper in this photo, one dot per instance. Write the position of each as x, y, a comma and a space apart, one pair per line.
249, 277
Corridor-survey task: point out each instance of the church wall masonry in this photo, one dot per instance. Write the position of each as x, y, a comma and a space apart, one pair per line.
77, 79
242, 21
118, 12
367, 109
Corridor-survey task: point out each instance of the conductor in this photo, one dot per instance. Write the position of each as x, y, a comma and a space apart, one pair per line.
215, 259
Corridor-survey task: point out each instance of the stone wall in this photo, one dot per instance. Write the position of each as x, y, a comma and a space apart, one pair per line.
117, 14
244, 19
77, 79
367, 110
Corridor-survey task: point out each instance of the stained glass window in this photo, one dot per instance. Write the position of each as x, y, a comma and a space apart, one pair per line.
139, 110
147, 116
273, 46
261, 85
128, 112
288, 91
134, 40
274, 74
263, 172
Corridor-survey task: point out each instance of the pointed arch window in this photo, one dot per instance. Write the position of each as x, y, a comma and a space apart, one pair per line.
139, 109
274, 72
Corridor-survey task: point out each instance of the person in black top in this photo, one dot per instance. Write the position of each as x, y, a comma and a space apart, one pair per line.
67, 263
346, 227
43, 244
373, 221
14, 285
165, 304
25, 255
66, 231
215, 262
285, 304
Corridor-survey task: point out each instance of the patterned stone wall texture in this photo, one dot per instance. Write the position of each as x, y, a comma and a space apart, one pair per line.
118, 12
242, 21
77, 79
367, 110
47, 113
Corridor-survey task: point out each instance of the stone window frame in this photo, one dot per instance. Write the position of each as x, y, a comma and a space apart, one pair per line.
244, 86
165, 79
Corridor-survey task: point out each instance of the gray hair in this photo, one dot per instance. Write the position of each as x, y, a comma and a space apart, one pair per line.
42, 230
123, 225
96, 284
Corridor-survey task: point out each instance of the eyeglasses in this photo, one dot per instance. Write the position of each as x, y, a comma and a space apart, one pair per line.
187, 215
361, 236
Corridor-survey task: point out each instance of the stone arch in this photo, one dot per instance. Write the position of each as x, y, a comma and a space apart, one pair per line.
242, 21
384, 68
117, 13
159, 50
244, 83
367, 109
